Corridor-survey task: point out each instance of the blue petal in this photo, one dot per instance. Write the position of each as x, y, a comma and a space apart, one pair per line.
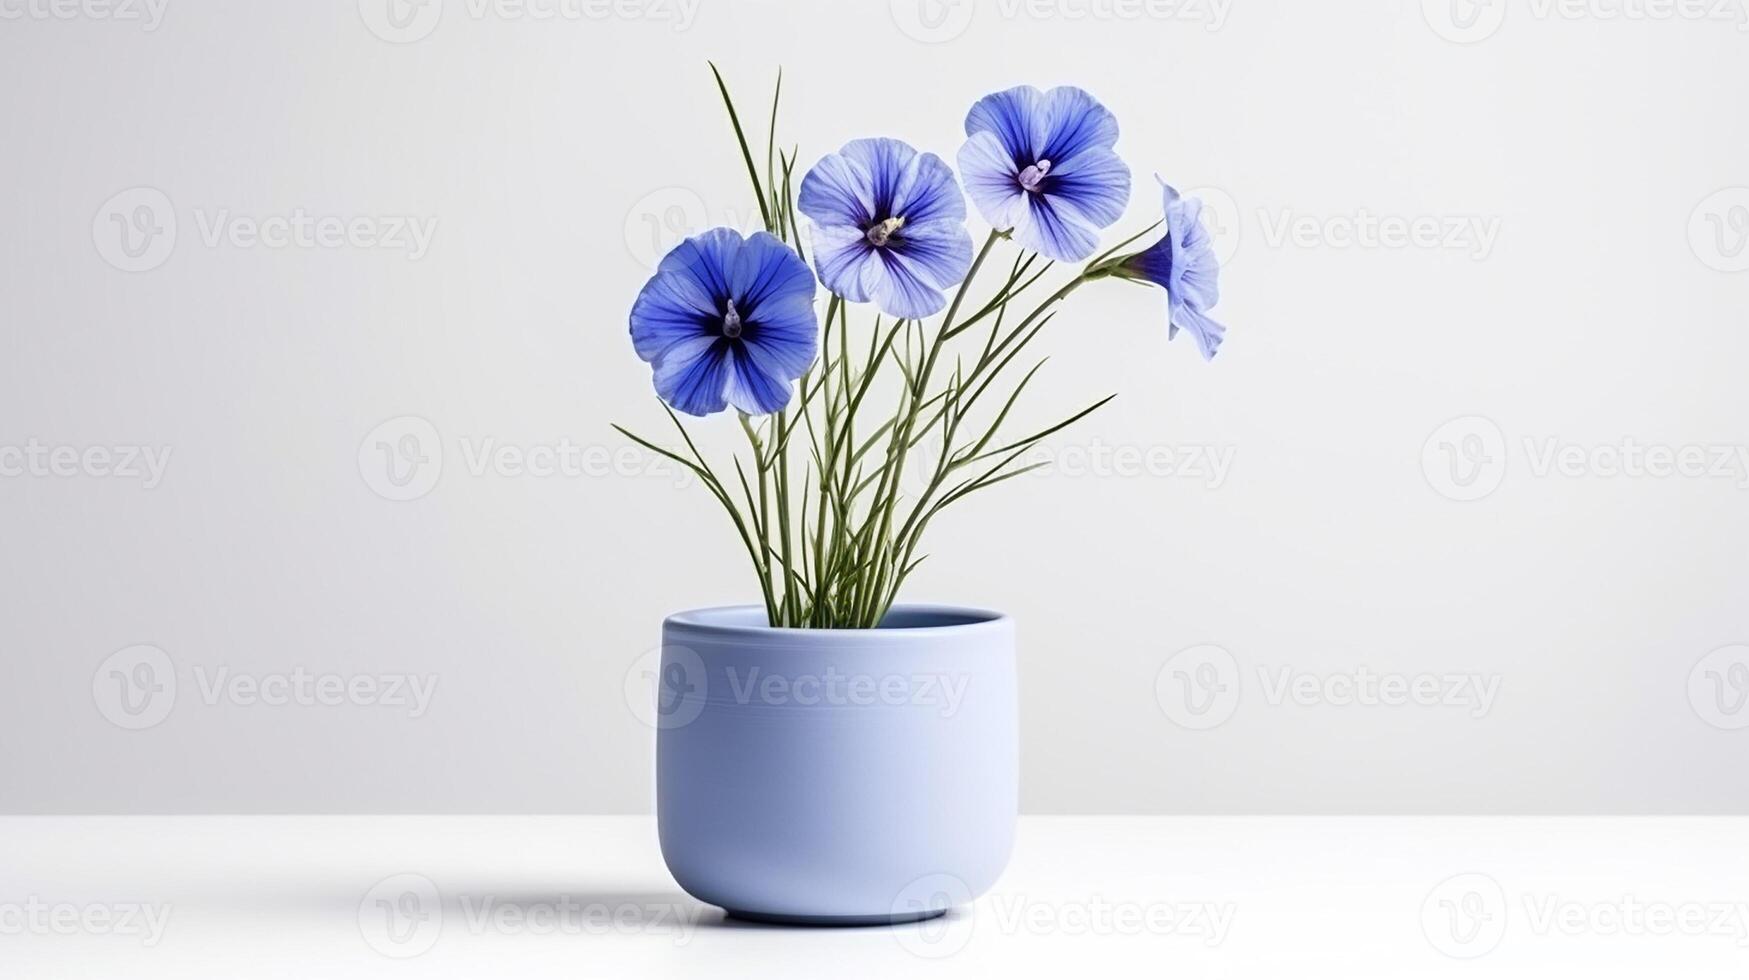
940, 251
668, 311
765, 269
775, 290
1074, 122
1057, 235
1094, 183
885, 162
927, 192
753, 390
684, 298
704, 260
903, 292
692, 378
1015, 117
846, 261
1207, 333
1154, 263
784, 336
837, 192
992, 180
1197, 270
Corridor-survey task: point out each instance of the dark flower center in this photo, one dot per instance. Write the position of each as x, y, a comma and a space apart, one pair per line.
880, 231
731, 322
1032, 179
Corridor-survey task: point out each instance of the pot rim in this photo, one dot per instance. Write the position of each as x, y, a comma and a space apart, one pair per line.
729, 623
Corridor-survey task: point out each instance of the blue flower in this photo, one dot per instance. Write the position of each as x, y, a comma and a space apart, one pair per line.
889, 225
727, 321
1184, 263
1041, 163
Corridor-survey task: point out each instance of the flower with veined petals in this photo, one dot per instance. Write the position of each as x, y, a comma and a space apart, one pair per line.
1184, 264
1041, 163
889, 226
727, 321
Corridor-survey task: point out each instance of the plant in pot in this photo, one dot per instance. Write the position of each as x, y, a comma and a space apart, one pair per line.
831, 754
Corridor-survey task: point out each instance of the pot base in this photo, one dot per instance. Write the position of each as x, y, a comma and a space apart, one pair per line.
829, 921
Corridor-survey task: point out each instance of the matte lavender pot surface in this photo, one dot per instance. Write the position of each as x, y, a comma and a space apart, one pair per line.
837, 776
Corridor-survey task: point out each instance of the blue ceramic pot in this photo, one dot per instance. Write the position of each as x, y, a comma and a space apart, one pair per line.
837, 776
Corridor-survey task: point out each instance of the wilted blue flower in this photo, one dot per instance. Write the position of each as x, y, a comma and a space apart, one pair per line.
889, 225
1041, 163
727, 321
1184, 263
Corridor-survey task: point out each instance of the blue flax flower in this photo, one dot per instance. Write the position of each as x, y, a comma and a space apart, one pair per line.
727, 321
1041, 163
1184, 264
889, 226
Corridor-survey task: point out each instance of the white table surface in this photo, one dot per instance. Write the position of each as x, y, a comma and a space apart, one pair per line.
581, 897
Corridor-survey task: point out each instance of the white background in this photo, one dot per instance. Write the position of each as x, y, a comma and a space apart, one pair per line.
1595, 166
